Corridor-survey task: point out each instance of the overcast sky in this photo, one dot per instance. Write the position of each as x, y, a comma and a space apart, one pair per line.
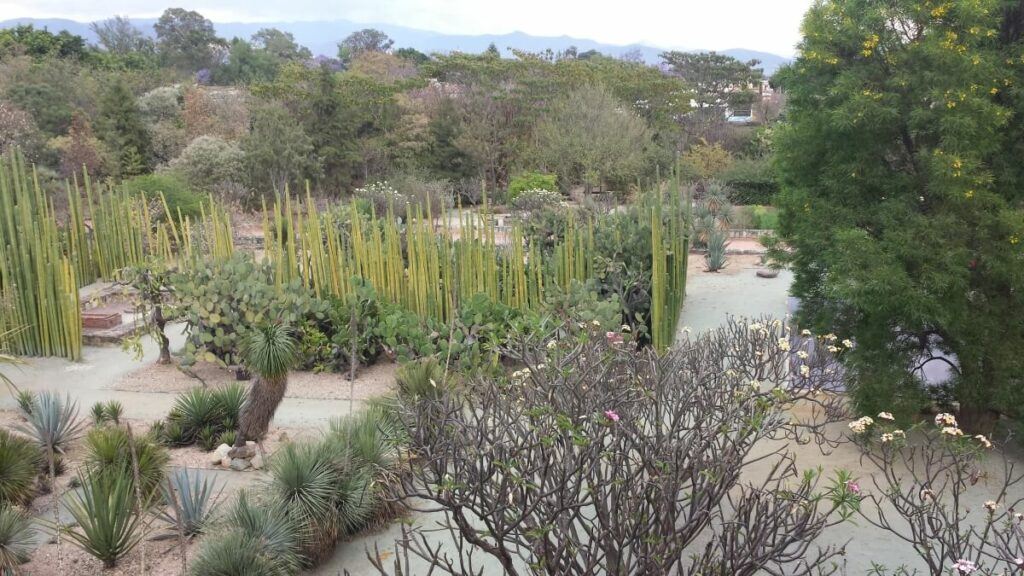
769, 25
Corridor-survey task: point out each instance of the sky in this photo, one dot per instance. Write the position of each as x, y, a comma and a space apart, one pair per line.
767, 25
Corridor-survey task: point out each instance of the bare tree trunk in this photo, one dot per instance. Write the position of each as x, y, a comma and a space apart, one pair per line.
162, 339
265, 395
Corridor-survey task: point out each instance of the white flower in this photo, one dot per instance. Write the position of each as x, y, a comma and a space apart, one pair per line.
952, 431
899, 433
540, 366
625, 328
595, 323
887, 437
802, 355
784, 344
927, 495
552, 345
848, 343
945, 419
805, 370
963, 566
830, 337
885, 416
861, 424
755, 385
805, 332
833, 349
984, 441
755, 327
991, 506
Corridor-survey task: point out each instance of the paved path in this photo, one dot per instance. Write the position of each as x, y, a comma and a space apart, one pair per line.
92, 379
737, 291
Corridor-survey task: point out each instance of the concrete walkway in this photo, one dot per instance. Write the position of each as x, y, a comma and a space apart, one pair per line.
736, 290
92, 379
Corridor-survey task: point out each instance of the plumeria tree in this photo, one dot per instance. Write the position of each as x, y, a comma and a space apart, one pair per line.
598, 457
948, 494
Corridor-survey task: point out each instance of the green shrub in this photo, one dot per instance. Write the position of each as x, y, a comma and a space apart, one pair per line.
17, 539
196, 501
113, 411
20, 464
531, 181
258, 539
207, 438
98, 413
181, 200
423, 378
230, 399
227, 437
305, 481
108, 447
195, 410
26, 399
751, 181
104, 508
534, 199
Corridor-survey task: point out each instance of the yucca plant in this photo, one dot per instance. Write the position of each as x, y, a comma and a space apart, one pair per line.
53, 422
196, 501
258, 539
207, 438
269, 352
109, 447
372, 438
17, 539
715, 258
26, 399
114, 410
174, 434
230, 399
423, 378
107, 524
98, 412
305, 480
20, 464
227, 437
196, 409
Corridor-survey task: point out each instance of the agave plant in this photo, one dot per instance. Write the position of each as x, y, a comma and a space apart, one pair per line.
113, 411
191, 499
269, 352
53, 422
98, 412
107, 524
17, 539
20, 463
194, 410
26, 399
716, 259
305, 480
230, 399
259, 540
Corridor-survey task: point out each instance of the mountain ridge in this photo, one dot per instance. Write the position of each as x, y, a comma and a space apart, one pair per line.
321, 37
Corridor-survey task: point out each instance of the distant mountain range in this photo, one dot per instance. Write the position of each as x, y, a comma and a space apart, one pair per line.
323, 37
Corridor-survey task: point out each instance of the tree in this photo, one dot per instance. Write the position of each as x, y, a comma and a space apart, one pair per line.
902, 198
590, 137
17, 130
119, 36
281, 45
186, 40
412, 55
154, 303
278, 152
365, 40
122, 129
208, 163
26, 39
442, 155
719, 83
269, 352
81, 149
246, 65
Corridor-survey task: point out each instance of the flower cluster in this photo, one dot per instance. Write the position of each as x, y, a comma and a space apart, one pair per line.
860, 425
963, 566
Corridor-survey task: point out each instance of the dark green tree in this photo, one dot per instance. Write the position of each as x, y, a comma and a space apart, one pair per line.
246, 64
903, 200
719, 82
281, 45
412, 55
121, 128
365, 40
186, 40
442, 155
28, 40
332, 125
278, 152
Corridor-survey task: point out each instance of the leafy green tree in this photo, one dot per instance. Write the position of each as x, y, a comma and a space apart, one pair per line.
903, 200
48, 105
121, 128
209, 162
720, 82
412, 55
365, 40
442, 155
26, 39
269, 351
589, 137
186, 40
281, 45
278, 152
246, 64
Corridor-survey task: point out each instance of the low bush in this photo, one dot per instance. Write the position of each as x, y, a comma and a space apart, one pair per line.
20, 465
536, 199
17, 539
751, 181
530, 181
257, 539
110, 447
203, 415
182, 201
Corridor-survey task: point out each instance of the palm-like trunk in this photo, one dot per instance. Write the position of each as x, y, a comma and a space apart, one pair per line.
264, 397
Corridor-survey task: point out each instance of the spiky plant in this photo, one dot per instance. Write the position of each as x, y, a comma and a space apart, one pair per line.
114, 410
20, 464
196, 409
230, 399
227, 437
305, 480
269, 352
174, 434
98, 412
107, 524
197, 499
423, 378
371, 436
53, 422
259, 539
110, 447
17, 539
207, 438
716, 259
26, 399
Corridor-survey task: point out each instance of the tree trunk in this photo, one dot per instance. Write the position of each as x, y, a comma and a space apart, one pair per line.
264, 397
164, 341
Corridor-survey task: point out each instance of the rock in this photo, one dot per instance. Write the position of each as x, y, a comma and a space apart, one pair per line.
239, 464
247, 451
250, 443
257, 462
282, 437
219, 454
225, 461
767, 273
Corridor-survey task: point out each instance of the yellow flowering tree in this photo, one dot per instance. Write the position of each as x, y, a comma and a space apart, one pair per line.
902, 196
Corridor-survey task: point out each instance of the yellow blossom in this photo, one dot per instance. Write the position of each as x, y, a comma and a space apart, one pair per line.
969, 194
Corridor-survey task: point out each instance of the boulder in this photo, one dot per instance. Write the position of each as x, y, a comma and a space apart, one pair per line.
247, 451
219, 454
226, 461
239, 464
257, 462
767, 273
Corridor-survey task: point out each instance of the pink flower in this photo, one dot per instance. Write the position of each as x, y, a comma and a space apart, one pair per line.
612, 415
963, 566
613, 337
853, 487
